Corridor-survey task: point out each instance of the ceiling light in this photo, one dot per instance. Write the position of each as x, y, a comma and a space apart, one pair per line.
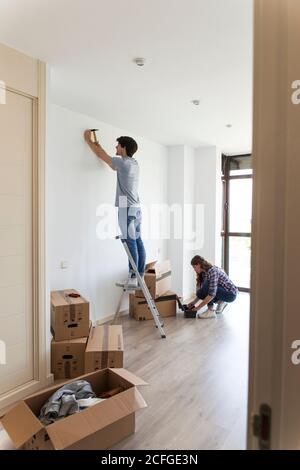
229, 126
196, 102
140, 61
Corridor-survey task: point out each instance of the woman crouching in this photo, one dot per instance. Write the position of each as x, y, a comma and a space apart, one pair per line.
213, 287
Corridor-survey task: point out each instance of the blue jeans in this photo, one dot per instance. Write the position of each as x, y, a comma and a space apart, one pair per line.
221, 294
130, 219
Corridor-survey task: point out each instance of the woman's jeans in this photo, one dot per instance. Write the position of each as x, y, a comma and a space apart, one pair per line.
130, 219
221, 294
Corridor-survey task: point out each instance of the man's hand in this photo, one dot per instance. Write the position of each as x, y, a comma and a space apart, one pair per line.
88, 136
97, 149
191, 305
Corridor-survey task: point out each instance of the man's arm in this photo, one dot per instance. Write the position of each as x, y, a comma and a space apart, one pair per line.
97, 149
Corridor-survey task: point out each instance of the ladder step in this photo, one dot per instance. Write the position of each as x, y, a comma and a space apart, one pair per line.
159, 323
120, 284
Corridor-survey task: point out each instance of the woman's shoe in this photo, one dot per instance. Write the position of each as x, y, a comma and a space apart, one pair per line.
220, 307
209, 313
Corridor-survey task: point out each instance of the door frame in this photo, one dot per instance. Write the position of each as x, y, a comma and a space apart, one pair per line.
274, 380
28, 77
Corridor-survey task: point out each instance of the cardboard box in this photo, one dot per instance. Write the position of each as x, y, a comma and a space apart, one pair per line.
105, 348
69, 315
158, 279
67, 358
132, 301
96, 428
166, 305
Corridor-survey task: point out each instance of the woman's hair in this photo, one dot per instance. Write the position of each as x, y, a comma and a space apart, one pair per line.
204, 265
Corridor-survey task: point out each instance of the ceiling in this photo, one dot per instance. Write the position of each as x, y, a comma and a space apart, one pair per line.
194, 49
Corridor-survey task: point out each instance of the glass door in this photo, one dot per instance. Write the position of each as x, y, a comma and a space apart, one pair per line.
236, 232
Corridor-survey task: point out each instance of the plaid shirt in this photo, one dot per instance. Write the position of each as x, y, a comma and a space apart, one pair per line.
217, 277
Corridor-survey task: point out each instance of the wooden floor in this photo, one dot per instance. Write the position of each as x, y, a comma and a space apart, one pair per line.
197, 393
198, 376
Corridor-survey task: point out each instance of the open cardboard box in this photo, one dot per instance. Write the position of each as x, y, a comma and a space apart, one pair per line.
157, 278
96, 428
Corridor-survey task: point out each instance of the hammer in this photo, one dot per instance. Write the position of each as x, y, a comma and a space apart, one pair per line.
94, 135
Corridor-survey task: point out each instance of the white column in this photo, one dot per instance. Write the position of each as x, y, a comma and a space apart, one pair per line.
208, 194
176, 197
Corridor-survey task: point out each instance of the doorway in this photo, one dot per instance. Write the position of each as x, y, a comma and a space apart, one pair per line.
237, 184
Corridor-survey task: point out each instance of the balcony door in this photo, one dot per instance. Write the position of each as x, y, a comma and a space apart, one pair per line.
237, 214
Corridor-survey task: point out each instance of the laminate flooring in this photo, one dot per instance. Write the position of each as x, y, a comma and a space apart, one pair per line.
198, 379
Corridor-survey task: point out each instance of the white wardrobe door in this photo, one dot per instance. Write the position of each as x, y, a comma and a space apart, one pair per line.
16, 241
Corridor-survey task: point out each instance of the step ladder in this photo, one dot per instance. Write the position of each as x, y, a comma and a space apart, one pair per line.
142, 286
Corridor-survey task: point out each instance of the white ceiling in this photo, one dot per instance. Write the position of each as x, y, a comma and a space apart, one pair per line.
194, 49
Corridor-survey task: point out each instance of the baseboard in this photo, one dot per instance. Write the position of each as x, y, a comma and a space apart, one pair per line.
109, 318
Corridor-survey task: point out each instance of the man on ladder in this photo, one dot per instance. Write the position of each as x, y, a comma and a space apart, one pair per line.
129, 210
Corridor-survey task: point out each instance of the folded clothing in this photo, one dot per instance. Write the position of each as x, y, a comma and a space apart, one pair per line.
64, 401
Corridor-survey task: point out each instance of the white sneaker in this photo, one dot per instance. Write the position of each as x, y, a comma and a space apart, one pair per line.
209, 313
132, 283
221, 307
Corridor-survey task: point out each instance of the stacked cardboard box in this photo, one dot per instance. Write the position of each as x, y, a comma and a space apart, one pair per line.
104, 348
70, 317
67, 358
77, 346
158, 280
166, 305
70, 324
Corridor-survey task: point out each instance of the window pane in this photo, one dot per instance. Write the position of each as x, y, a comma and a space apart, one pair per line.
240, 165
223, 212
241, 172
240, 208
240, 260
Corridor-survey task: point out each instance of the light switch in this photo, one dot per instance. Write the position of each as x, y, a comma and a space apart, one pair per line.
64, 264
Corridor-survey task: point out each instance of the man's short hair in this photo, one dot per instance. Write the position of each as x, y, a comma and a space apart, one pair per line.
129, 143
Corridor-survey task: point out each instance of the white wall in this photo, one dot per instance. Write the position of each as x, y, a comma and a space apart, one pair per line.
189, 221
208, 187
77, 182
181, 193
195, 185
